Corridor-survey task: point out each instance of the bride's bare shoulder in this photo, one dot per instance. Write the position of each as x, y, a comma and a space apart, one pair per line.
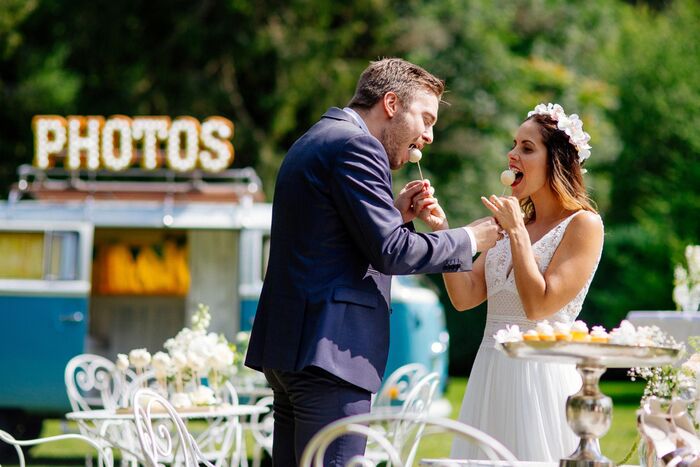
585, 224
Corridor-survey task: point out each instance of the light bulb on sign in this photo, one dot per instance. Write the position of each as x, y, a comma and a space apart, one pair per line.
216, 132
150, 129
49, 138
84, 136
176, 158
120, 125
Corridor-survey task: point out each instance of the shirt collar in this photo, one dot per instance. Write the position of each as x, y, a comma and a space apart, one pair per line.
355, 116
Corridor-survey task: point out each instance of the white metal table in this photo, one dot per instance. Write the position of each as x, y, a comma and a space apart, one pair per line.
223, 423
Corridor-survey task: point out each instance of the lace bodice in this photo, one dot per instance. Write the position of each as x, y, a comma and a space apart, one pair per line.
504, 305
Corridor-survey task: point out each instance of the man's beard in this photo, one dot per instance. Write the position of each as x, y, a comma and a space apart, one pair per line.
395, 139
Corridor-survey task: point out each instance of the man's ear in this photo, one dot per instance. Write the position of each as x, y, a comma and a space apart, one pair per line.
391, 104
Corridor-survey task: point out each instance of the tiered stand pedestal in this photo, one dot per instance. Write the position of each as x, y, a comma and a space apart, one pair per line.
589, 411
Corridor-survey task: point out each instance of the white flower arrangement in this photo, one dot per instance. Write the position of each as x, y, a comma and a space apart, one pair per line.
190, 356
686, 290
669, 381
569, 124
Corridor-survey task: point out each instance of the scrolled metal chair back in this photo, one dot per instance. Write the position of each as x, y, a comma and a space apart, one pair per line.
92, 381
155, 417
366, 425
398, 385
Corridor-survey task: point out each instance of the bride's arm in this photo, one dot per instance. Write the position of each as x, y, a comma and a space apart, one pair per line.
567, 273
543, 295
467, 289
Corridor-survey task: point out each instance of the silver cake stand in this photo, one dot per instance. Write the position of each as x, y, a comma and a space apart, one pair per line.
589, 411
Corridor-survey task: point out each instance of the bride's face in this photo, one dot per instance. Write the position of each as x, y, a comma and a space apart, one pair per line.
528, 159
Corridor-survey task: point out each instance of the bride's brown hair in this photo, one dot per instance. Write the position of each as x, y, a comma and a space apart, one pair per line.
563, 169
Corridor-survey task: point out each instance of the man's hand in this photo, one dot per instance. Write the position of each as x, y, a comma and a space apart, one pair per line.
486, 232
404, 201
426, 208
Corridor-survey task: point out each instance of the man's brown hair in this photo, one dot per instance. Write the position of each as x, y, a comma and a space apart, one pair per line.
397, 75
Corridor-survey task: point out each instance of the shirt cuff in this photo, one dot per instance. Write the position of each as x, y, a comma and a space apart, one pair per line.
472, 240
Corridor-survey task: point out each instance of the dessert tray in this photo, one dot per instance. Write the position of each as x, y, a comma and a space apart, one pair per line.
603, 354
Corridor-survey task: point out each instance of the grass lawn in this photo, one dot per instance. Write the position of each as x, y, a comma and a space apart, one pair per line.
615, 445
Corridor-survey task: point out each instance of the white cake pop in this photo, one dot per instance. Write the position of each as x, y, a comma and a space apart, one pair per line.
507, 177
414, 155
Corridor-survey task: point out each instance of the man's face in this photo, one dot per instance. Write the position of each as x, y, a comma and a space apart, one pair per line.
412, 125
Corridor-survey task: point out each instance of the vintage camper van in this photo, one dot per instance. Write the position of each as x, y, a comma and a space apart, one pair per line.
105, 261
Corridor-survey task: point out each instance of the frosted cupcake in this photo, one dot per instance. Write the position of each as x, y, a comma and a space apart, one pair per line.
598, 334
579, 332
562, 331
531, 335
545, 331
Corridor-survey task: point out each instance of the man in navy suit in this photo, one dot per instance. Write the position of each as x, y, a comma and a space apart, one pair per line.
321, 331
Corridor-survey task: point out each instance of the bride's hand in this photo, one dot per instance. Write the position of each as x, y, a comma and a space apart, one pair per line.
506, 210
427, 209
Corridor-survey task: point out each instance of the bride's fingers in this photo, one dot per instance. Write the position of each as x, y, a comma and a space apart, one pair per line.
496, 201
489, 205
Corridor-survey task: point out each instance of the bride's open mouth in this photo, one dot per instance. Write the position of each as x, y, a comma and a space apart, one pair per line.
518, 176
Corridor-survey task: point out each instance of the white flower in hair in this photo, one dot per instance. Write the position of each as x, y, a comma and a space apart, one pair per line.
569, 124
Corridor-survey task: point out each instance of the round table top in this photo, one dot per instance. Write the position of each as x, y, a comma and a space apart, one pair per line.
224, 410
607, 355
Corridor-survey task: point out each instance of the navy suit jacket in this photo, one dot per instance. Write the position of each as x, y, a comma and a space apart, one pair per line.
336, 239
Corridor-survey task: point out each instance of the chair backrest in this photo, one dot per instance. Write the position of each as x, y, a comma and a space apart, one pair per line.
93, 382
369, 425
416, 402
398, 384
105, 457
262, 424
155, 436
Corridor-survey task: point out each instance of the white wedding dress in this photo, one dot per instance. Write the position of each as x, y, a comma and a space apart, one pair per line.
519, 402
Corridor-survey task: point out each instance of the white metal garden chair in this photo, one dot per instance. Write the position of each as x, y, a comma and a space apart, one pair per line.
398, 384
262, 427
104, 452
156, 435
94, 382
422, 426
416, 402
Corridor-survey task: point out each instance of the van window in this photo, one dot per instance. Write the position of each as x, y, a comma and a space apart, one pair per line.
39, 255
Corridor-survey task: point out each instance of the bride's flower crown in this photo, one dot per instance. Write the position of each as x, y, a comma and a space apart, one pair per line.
569, 124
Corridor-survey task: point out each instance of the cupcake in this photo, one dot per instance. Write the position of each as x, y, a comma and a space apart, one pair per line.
531, 335
545, 331
598, 334
579, 332
562, 331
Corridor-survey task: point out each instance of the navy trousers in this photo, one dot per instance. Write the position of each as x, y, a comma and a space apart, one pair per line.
306, 401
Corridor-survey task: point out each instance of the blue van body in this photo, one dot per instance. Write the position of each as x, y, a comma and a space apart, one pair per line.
48, 320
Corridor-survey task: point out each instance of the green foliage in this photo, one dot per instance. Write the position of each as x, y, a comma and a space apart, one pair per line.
635, 274
629, 69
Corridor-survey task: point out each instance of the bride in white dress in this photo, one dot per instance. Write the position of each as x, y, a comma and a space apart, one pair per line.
541, 269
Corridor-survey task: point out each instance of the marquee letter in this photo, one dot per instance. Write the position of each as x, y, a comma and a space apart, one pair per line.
79, 143
49, 138
150, 129
189, 127
216, 131
121, 125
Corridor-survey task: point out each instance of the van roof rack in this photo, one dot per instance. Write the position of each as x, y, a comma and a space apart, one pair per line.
59, 184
